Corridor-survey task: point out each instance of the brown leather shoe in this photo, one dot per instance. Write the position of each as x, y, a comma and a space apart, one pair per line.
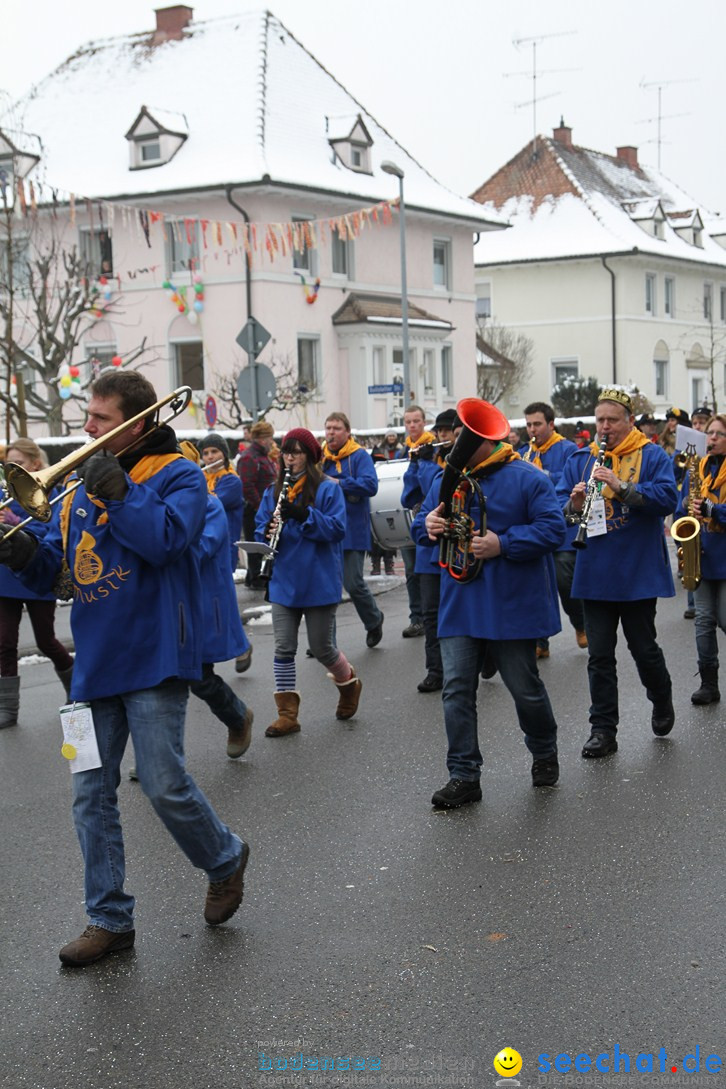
581, 639
224, 897
243, 662
94, 943
238, 741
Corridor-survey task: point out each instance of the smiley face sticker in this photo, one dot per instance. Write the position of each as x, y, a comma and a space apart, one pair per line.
508, 1062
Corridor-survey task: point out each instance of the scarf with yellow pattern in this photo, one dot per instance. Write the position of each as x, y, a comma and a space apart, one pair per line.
538, 451
626, 459
500, 455
710, 488
214, 475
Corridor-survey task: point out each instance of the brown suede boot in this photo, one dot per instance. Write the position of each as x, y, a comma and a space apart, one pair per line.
349, 697
288, 704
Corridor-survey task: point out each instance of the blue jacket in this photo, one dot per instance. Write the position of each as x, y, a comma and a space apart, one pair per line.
630, 562
515, 594
10, 583
713, 533
136, 616
308, 568
553, 463
223, 636
227, 487
417, 480
358, 482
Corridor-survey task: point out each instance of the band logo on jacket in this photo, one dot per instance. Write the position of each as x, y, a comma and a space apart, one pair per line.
88, 572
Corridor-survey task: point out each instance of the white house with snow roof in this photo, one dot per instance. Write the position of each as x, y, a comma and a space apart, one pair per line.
610, 269
222, 159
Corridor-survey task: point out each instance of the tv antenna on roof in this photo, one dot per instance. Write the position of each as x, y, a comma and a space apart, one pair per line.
660, 84
533, 73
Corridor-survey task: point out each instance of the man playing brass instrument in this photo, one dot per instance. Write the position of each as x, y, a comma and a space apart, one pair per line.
709, 504
625, 567
504, 608
130, 537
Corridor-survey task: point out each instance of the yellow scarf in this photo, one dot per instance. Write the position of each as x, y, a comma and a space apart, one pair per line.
345, 451
424, 437
501, 453
213, 477
625, 459
296, 488
538, 451
710, 488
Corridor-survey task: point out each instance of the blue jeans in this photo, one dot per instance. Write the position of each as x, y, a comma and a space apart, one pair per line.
155, 719
463, 658
430, 597
356, 586
601, 626
413, 586
710, 615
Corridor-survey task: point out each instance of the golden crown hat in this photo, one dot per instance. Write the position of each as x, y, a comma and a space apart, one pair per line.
617, 395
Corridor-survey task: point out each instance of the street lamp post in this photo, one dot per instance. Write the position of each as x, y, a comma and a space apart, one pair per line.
390, 168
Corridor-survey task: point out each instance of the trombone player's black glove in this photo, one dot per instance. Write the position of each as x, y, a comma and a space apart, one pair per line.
103, 476
16, 552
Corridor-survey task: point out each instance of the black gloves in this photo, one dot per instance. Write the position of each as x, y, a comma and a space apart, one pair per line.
292, 510
425, 452
103, 476
18, 551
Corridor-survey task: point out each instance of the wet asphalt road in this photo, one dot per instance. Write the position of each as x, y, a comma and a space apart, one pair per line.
565, 920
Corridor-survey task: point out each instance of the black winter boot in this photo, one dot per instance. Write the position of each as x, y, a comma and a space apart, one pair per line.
708, 692
9, 701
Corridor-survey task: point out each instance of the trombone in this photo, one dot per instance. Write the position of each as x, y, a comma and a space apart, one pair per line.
32, 490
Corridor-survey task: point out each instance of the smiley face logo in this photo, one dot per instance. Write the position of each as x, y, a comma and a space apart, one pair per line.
508, 1062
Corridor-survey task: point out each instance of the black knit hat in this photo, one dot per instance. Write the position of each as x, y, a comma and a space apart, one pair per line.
446, 419
216, 442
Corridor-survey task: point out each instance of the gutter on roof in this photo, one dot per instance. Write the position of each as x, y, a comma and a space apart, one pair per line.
635, 252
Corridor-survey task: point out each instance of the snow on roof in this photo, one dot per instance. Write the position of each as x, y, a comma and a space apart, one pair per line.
565, 202
256, 102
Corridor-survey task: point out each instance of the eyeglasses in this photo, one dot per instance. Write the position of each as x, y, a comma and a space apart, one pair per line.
716, 434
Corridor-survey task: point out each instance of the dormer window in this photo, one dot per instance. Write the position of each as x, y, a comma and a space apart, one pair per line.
352, 147
18, 156
155, 137
688, 226
648, 214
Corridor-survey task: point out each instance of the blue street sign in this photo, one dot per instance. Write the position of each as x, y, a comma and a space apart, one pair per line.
394, 388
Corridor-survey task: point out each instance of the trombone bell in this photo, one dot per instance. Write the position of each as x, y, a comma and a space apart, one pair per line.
29, 490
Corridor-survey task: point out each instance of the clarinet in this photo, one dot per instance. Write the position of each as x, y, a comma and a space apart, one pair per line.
269, 561
591, 494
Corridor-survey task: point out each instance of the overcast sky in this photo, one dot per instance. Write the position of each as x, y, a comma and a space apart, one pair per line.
441, 75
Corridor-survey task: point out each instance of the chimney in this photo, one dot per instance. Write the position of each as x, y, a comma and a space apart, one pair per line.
563, 134
629, 156
170, 23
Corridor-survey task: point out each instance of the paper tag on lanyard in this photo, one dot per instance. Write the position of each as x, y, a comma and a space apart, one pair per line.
596, 524
80, 747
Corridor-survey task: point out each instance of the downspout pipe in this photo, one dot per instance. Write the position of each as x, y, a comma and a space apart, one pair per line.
248, 263
612, 319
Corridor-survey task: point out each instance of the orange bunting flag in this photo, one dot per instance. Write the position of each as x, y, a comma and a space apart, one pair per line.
205, 228
218, 233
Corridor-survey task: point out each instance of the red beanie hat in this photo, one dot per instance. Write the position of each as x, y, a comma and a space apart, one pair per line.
307, 440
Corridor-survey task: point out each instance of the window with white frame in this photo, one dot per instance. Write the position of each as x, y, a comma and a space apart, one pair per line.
669, 297
723, 304
484, 301
429, 371
707, 305
342, 255
309, 376
15, 255
650, 285
98, 357
182, 246
303, 258
96, 250
188, 361
564, 368
660, 368
698, 390
442, 263
379, 367
447, 370
149, 150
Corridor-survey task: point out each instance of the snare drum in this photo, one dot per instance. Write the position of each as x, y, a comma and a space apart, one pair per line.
390, 520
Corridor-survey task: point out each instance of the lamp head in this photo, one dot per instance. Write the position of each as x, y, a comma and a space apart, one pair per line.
390, 168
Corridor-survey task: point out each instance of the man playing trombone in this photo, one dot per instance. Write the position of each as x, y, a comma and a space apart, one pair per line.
129, 535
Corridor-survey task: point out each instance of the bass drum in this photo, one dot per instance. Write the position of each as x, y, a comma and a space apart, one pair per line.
390, 520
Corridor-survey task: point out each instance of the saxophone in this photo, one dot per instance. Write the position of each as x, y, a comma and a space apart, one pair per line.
269, 561
686, 531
